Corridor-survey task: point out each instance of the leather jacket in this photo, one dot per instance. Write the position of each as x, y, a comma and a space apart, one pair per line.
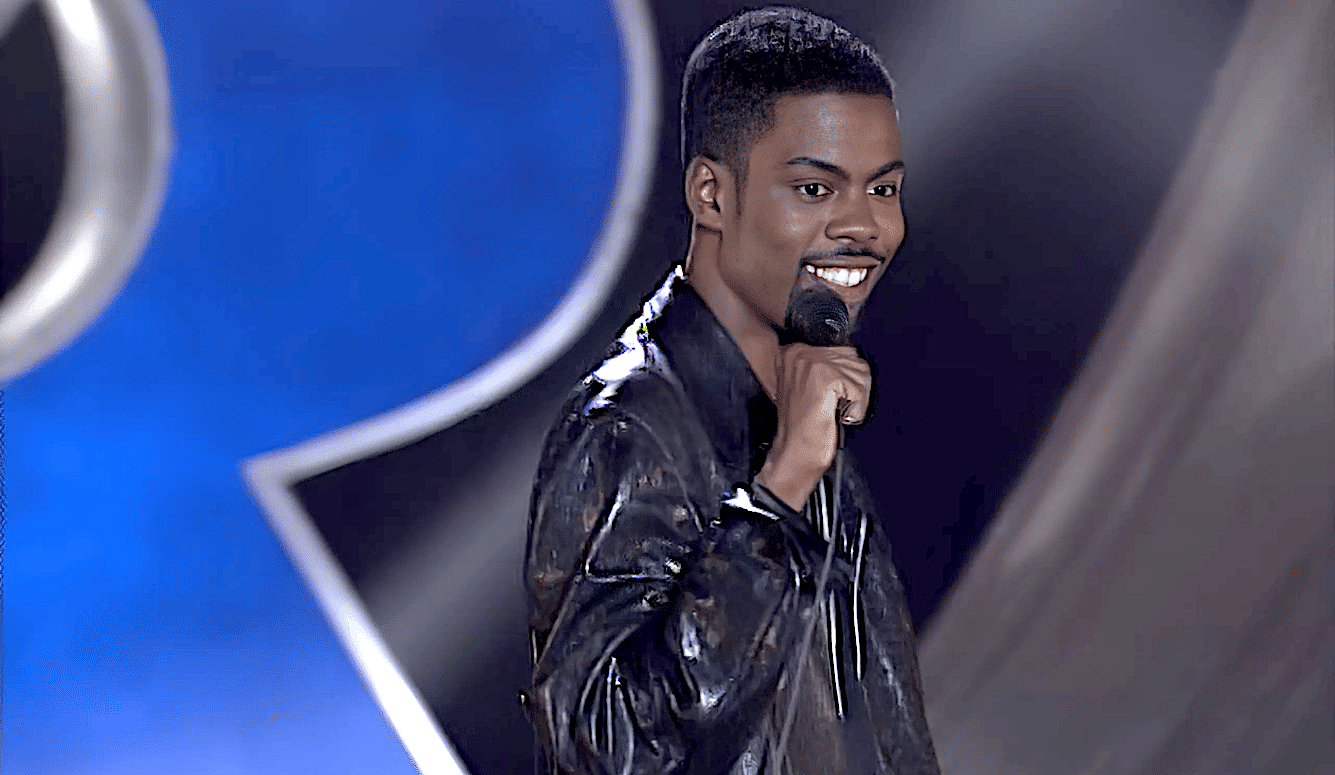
669, 593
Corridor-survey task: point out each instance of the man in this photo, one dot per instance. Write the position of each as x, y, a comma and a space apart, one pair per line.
678, 536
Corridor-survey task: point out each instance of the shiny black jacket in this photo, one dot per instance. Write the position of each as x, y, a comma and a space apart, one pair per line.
669, 592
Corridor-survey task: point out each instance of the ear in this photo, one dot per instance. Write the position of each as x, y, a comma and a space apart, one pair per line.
708, 187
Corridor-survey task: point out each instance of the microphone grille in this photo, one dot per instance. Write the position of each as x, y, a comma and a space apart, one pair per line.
819, 318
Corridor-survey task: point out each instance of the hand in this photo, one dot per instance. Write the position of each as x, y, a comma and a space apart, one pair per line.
818, 387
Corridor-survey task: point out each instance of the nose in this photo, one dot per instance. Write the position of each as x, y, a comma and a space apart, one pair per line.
854, 220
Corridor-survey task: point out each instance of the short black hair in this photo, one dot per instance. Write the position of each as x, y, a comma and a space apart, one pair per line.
741, 68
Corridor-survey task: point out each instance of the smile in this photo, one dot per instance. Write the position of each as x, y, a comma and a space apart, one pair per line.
845, 278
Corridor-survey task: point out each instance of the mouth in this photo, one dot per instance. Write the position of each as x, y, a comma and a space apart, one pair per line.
842, 277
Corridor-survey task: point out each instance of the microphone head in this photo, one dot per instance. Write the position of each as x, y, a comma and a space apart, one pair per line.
819, 318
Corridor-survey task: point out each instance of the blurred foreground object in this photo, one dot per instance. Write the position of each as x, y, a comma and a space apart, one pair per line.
118, 147
1154, 596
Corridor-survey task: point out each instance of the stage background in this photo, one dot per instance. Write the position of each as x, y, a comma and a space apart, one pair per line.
369, 203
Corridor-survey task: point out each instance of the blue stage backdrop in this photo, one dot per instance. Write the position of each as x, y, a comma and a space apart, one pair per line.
368, 202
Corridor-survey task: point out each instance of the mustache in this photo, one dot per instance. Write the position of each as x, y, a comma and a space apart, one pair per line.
850, 251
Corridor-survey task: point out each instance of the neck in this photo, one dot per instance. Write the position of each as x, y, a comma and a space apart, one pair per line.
757, 340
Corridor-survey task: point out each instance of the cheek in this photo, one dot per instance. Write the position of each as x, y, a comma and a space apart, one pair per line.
772, 238
803, 227
779, 220
767, 272
790, 226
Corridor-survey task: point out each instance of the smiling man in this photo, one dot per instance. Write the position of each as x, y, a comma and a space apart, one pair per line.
710, 591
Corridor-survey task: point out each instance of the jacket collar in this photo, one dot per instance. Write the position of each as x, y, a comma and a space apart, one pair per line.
738, 416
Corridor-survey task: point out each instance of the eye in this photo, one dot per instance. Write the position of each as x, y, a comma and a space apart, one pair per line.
814, 190
885, 189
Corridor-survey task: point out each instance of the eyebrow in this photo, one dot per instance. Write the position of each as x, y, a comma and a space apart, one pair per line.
836, 170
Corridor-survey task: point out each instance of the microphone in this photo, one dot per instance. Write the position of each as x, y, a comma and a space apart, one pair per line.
819, 318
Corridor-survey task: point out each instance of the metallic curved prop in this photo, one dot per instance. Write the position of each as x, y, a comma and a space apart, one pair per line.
120, 146
1154, 596
271, 477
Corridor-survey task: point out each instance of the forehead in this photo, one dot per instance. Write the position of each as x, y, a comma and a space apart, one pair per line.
858, 132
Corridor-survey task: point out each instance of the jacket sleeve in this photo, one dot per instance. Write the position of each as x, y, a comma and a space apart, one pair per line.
661, 617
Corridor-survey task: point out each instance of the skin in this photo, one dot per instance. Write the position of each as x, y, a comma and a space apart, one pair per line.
822, 188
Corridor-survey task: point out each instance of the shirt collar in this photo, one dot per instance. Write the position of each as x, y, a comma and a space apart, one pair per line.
739, 417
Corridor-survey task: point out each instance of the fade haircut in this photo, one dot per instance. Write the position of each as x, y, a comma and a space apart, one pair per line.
738, 72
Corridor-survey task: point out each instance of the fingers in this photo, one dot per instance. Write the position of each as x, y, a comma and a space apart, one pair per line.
849, 388
830, 376
855, 395
853, 381
817, 388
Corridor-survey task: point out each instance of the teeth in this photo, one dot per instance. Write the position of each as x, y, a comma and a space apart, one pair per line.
838, 276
